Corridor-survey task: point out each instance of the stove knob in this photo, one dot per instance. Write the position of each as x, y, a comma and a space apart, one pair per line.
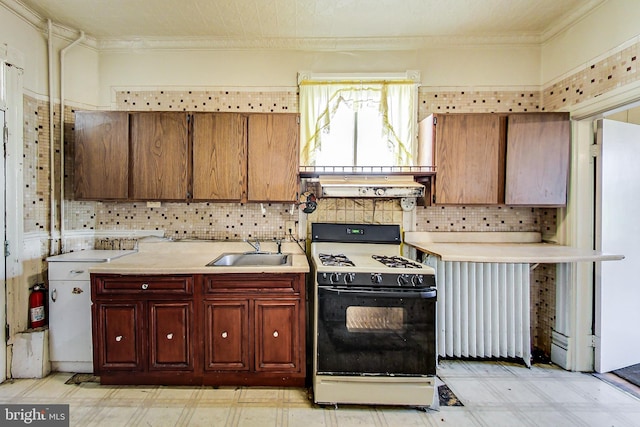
376, 278
348, 278
379, 191
417, 280
335, 277
404, 280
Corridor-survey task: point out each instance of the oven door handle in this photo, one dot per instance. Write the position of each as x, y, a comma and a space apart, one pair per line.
372, 292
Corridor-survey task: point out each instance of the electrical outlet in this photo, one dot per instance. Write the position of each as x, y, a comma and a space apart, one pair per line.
290, 227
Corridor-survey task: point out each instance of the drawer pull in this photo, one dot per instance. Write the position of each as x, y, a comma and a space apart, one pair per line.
77, 271
275, 334
145, 285
119, 338
224, 334
54, 295
169, 336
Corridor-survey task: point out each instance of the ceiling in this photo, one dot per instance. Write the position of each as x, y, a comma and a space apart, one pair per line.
276, 23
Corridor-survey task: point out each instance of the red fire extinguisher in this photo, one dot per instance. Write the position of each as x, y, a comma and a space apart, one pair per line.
37, 315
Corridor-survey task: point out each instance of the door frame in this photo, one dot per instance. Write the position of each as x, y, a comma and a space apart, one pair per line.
11, 102
573, 339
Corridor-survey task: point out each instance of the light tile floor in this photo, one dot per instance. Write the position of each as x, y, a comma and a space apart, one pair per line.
493, 393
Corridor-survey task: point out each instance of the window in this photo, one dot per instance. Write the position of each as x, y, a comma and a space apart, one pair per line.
358, 123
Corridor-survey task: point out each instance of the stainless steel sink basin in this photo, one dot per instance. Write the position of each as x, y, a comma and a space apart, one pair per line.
251, 259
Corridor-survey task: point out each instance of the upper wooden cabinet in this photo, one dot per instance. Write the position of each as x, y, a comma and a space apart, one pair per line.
273, 157
187, 156
513, 159
538, 149
160, 162
469, 156
101, 155
219, 156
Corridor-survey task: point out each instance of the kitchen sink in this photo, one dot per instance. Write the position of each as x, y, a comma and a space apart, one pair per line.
251, 259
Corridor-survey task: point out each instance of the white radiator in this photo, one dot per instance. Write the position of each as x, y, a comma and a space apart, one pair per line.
482, 309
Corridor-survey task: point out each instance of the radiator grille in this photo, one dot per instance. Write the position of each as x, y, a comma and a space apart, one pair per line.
483, 309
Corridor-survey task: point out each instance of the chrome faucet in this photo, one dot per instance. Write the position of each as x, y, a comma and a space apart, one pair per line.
255, 246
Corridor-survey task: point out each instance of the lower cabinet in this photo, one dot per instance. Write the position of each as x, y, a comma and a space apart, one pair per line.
277, 343
118, 328
226, 335
143, 329
170, 335
254, 329
230, 329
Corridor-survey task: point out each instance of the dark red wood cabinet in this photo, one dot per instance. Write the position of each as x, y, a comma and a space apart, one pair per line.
228, 329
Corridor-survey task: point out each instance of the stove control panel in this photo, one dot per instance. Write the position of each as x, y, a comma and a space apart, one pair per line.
377, 279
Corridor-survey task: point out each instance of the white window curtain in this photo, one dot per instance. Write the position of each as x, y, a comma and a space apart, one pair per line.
397, 101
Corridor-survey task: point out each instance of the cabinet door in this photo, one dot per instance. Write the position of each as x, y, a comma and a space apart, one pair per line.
469, 159
273, 157
226, 335
159, 156
538, 149
219, 156
118, 336
101, 155
278, 344
170, 335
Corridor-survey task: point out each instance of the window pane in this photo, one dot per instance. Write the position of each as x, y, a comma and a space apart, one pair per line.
337, 144
373, 149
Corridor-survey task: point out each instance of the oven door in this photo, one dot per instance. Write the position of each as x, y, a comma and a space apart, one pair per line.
376, 331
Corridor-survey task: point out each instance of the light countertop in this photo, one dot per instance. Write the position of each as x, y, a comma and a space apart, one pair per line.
191, 257
90, 255
500, 247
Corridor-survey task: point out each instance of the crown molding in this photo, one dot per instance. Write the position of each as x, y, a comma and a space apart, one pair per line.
305, 44
571, 19
40, 24
315, 44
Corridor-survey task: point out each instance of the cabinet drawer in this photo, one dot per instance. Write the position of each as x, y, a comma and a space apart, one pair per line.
280, 283
179, 285
67, 271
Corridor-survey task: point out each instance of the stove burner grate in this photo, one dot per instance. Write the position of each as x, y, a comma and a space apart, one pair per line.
338, 260
396, 261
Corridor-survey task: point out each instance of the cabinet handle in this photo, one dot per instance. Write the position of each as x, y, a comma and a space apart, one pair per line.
169, 336
145, 285
275, 334
77, 271
54, 295
224, 334
119, 338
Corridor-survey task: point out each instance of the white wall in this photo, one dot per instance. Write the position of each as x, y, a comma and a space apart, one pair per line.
609, 26
30, 40
20, 36
454, 66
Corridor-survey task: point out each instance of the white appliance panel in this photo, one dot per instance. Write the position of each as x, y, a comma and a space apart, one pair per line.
70, 321
617, 290
70, 340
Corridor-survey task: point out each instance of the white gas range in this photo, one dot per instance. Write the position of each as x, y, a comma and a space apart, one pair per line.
374, 318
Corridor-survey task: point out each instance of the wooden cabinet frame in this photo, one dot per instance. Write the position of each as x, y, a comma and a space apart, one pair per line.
513, 159
214, 329
187, 156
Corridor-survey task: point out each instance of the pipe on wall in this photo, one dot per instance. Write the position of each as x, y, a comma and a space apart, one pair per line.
52, 161
62, 73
